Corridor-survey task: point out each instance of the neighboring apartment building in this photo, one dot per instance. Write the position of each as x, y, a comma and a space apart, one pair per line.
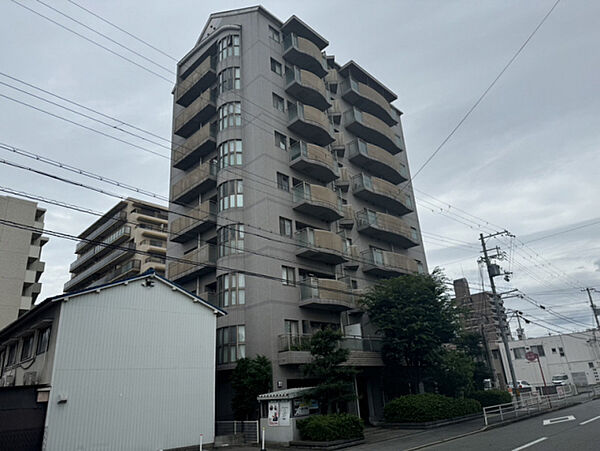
288, 194
128, 365
481, 317
20, 251
576, 354
137, 232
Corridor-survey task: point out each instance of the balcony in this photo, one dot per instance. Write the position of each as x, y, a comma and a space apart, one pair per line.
387, 264
194, 264
381, 192
338, 144
306, 86
364, 351
115, 238
353, 255
200, 110
195, 182
197, 82
373, 130
128, 269
314, 161
385, 227
326, 294
369, 100
310, 123
117, 219
320, 245
194, 221
377, 161
197, 146
317, 201
347, 221
301, 52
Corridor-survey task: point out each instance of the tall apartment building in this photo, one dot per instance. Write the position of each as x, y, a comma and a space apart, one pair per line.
20, 264
137, 232
288, 194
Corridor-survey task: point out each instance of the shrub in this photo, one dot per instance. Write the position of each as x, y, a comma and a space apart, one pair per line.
428, 407
491, 397
323, 428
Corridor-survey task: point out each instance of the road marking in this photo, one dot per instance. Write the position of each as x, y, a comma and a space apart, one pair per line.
527, 445
558, 420
589, 421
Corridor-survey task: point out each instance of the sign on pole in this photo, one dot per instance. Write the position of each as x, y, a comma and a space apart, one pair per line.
531, 356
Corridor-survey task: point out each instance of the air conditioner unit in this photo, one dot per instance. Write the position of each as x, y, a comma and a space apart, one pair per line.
30, 378
9, 380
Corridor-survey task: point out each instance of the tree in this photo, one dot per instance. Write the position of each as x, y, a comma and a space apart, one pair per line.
454, 373
250, 378
415, 317
335, 386
472, 344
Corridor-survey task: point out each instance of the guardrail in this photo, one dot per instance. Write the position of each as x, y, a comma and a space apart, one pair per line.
248, 428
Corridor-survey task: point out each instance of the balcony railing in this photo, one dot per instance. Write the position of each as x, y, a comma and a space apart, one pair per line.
195, 182
385, 227
326, 294
197, 82
114, 238
304, 53
310, 123
116, 220
343, 183
200, 261
347, 221
320, 245
194, 221
125, 270
373, 130
200, 110
381, 192
377, 161
387, 264
313, 160
368, 99
317, 201
197, 146
306, 86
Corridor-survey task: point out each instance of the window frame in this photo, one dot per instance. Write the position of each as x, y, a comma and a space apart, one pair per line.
225, 344
230, 115
278, 102
230, 194
283, 182
231, 289
281, 140
229, 79
286, 272
274, 34
29, 338
230, 153
228, 46
42, 347
276, 67
284, 225
230, 240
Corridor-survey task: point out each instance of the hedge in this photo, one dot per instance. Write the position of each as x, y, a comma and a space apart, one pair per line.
428, 407
491, 397
324, 428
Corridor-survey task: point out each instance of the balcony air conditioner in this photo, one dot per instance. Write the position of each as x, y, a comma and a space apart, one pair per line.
30, 378
9, 380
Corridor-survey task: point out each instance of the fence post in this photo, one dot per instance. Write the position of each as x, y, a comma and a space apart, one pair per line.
234, 427
501, 416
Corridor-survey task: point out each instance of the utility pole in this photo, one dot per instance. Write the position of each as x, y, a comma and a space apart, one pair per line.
495, 297
594, 311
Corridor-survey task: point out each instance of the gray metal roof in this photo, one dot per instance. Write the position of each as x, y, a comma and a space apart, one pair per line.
290, 393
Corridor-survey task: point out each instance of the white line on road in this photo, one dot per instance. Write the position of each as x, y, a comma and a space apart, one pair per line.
527, 445
558, 420
589, 421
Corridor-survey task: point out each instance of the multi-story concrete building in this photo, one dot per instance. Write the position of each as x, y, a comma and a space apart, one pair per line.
137, 232
20, 264
288, 193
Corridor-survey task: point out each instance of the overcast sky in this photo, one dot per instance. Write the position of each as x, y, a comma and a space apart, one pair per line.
526, 159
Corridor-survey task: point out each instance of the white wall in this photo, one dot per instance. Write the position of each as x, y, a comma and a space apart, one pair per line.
137, 367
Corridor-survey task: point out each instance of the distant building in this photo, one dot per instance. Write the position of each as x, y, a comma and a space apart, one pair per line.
129, 365
132, 225
481, 317
577, 355
20, 264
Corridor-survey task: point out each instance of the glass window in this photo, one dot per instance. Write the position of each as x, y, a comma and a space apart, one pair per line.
274, 34
27, 349
230, 115
278, 103
561, 352
229, 79
11, 358
283, 182
377, 256
231, 289
43, 340
276, 67
288, 275
291, 327
285, 227
229, 46
519, 353
230, 194
420, 267
230, 239
413, 234
539, 350
280, 141
231, 344
230, 153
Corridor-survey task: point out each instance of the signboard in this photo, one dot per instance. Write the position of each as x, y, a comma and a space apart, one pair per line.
301, 408
531, 356
284, 413
273, 413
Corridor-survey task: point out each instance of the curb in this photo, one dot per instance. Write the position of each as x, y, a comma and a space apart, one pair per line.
444, 440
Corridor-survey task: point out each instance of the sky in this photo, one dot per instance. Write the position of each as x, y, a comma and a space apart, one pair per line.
525, 160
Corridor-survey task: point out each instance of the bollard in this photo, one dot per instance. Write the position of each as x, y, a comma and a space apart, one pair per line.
263, 440
201, 437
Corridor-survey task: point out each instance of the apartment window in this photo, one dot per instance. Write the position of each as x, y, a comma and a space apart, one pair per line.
228, 46
285, 227
280, 141
232, 289
409, 202
519, 353
539, 350
231, 344
230, 115
27, 348
230, 239
231, 194
276, 67
288, 275
291, 327
43, 340
333, 88
413, 234
274, 34
11, 358
278, 103
283, 182
421, 268
354, 284
591, 364
230, 153
553, 350
229, 79
561, 352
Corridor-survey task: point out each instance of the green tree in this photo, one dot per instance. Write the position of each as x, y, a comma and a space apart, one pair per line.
250, 378
473, 346
335, 381
454, 373
415, 316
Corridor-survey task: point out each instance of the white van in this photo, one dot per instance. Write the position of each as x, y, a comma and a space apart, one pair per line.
560, 379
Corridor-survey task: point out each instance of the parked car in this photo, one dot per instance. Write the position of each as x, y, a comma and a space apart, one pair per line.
523, 386
560, 379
